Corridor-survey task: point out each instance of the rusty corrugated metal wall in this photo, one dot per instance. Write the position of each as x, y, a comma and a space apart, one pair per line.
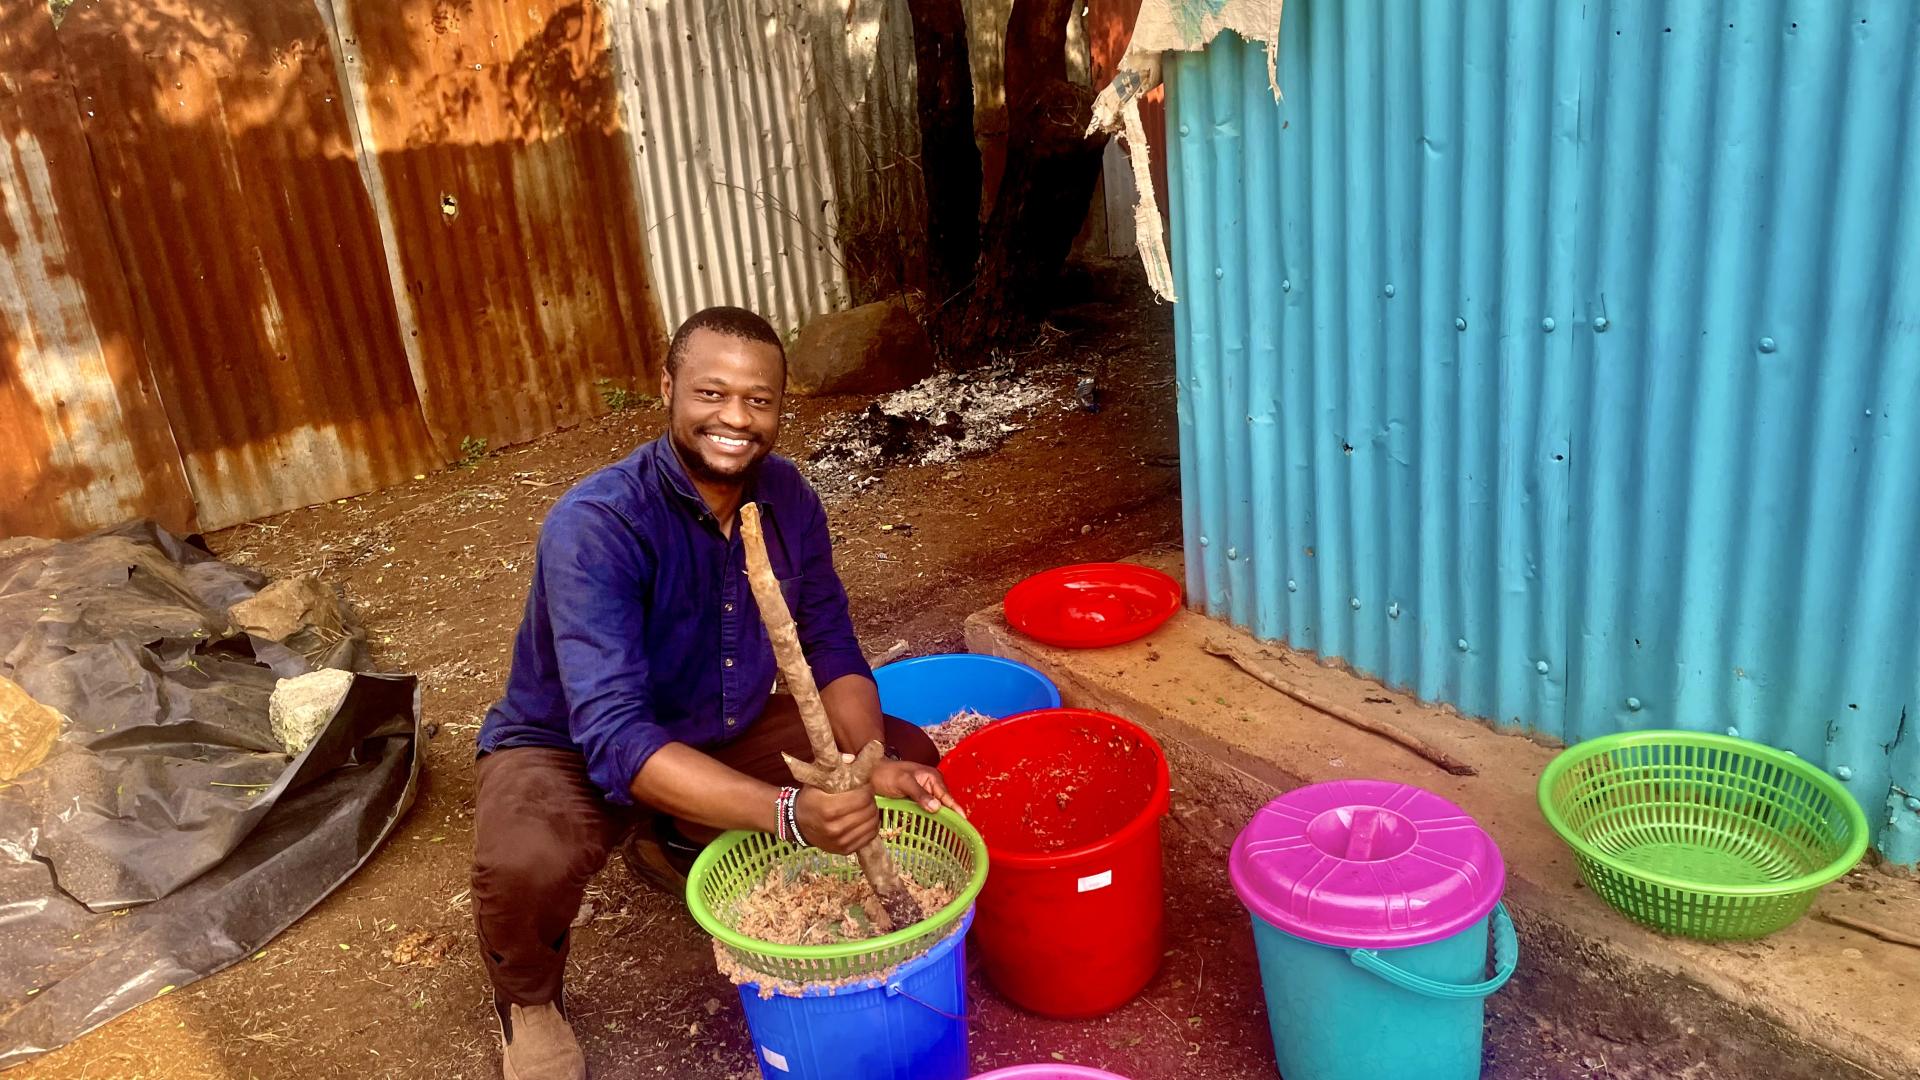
323, 244
227, 167
264, 253
85, 439
512, 229
263, 235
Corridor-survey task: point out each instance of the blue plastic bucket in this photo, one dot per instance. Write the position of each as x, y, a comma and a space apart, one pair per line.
1382, 1014
911, 1025
928, 690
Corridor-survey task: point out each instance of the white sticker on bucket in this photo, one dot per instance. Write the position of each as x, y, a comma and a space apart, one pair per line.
778, 1061
1096, 881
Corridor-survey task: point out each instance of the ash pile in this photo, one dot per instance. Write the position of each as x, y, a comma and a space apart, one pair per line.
942, 418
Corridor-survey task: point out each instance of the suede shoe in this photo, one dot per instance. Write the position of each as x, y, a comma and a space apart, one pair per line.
537, 1043
656, 853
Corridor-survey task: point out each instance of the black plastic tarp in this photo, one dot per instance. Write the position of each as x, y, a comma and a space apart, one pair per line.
167, 834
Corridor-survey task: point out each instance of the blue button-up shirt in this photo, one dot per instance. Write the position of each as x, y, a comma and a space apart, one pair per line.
640, 627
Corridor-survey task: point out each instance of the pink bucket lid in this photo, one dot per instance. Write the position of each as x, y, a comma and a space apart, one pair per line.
1049, 1073
1366, 864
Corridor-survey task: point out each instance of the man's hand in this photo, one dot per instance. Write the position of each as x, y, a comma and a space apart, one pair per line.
841, 824
922, 784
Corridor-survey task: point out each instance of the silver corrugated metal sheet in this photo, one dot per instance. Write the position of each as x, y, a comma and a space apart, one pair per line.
734, 165
859, 79
1560, 362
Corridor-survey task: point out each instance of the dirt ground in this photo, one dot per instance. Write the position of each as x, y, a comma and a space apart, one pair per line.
382, 979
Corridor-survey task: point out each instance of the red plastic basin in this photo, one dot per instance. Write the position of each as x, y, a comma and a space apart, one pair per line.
1092, 605
1071, 921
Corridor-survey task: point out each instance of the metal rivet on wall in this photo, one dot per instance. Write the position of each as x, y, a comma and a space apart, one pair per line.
1292, 585
1219, 272
1633, 704
1913, 802
1547, 324
1393, 610
1184, 129
1767, 344
1600, 324
1389, 290
1354, 603
1459, 324
1734, 731
1540, 666
1203, 541
1286, 284
1233, 553
1461, 644
1843, 772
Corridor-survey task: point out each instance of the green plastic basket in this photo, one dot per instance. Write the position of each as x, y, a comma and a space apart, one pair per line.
1704, 836
934, 848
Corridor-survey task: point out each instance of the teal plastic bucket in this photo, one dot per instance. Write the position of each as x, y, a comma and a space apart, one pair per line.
1373, 905
1364, 1014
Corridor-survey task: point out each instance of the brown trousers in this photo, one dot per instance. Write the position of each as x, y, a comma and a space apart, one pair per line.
541, 830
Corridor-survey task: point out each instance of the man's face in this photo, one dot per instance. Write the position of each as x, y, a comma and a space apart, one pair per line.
723, 407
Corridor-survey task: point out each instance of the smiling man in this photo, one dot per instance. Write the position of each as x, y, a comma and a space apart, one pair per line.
640, 708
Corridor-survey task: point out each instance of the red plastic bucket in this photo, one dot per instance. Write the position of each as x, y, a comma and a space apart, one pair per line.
1070, 923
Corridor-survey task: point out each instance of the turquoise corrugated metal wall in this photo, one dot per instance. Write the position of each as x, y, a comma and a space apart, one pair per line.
1562, 362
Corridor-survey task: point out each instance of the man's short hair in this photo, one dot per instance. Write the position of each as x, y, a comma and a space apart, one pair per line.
734, 322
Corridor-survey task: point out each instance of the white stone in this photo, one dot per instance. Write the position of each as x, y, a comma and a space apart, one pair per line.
300, 707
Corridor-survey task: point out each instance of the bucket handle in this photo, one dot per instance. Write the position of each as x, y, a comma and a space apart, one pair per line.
1506, 957
896, 988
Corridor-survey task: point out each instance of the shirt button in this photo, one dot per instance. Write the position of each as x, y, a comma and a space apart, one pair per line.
729, 661
728, 607
731, 720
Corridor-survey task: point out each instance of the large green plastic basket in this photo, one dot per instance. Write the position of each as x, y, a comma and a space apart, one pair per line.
933, 848
1704, 836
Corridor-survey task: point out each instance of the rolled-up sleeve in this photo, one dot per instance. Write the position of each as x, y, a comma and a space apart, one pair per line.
826, 628
593, 569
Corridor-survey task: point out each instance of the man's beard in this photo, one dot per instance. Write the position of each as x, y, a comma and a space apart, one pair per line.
693, 458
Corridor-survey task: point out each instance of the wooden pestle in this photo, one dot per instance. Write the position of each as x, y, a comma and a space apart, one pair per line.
827, 771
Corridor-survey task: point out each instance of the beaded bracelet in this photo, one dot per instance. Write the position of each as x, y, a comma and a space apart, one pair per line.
783, 814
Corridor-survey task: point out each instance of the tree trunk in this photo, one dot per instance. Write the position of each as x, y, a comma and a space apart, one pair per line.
949, 157
1051, 171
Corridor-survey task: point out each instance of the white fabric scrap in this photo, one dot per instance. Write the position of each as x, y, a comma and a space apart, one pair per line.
1190, 25
1149, 228
1171, 26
